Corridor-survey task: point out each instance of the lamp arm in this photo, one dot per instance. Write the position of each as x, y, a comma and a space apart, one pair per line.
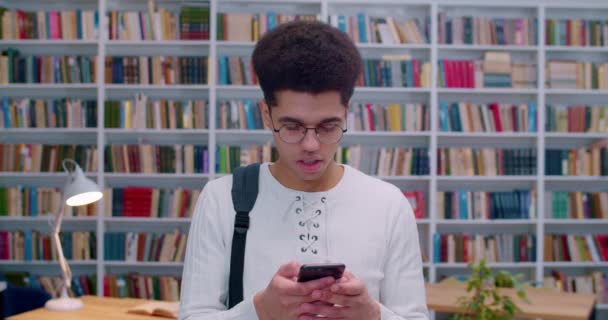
65, 268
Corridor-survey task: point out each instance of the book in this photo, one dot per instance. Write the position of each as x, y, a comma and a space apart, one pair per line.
157, 308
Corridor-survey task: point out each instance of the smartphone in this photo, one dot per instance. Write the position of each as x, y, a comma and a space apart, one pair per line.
315, 271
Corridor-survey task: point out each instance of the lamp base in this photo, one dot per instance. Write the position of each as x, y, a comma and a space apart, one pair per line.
64, 303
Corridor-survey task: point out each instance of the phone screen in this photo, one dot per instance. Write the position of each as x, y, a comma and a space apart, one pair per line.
315, 271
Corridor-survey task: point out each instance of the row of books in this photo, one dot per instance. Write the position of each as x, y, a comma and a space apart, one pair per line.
17, 68
34, 246
141, 286
395, 71
576, 248
391, 71
576, 118
141, 113
462, 247
145, 246
363, 28
385, 161
249, 27
481, 30
190, 23
576, 32
492, 117
484, 205
577, 75
148, 202
158, 70
54, 25
577, 162
239, 114
145, 158
235, 70
45, 158
28, 201
579, 205
474, 74
486, 161
81, 284
594, 282
229, 158
48, 113
193, 23
388, 117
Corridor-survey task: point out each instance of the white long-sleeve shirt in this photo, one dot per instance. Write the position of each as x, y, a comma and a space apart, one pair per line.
363, 222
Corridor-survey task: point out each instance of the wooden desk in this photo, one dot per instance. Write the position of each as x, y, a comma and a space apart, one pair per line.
441, 297
544, 304
94, 308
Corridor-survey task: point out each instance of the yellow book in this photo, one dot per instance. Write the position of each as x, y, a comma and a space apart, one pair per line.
157, 308
127, 114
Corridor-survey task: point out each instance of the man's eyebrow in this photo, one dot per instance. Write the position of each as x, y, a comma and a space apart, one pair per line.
295, 120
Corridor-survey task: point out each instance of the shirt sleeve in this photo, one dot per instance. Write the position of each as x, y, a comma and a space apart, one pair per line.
402, 292
205, 276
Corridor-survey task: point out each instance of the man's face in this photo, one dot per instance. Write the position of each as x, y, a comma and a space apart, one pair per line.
307, 159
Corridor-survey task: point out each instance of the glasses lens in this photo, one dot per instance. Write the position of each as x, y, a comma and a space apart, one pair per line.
329, 133
292, 133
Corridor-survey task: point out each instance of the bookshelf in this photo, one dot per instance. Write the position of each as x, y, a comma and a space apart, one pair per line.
537, 52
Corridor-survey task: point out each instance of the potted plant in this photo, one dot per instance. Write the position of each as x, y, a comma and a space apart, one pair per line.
486, 302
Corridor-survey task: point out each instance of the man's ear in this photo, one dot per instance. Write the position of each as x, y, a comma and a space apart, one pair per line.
265, 110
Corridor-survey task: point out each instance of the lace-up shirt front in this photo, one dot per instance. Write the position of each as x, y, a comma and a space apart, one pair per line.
362, 222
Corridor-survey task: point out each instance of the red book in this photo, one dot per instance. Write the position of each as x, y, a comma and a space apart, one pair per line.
564, 242
416, 200
470, 74
496, 115
416, 67
106, 286
370, 114
523, 249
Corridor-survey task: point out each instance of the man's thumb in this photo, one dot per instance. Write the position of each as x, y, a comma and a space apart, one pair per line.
289, 270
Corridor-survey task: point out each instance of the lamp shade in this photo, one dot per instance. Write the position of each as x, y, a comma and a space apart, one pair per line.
80, 190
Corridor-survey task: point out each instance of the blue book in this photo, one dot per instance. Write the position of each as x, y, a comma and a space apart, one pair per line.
272, 20
79, 24
441, 80
249, 110
443, 117
6, 111
532, 116
27, 239
33, 202
437, 245
362, 29
464, 205
342, 23
223, 70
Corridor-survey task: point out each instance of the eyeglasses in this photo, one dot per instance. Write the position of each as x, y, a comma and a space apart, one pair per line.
294, 132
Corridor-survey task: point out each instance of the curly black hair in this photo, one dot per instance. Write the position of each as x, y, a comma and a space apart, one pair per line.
306, 56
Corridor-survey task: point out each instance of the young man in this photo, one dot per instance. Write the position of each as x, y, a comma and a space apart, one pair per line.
309, 208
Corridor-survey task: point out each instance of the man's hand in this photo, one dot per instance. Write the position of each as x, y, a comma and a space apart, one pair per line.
347, 299
284, 295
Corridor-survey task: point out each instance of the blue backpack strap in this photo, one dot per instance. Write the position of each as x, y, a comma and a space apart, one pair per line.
244, 193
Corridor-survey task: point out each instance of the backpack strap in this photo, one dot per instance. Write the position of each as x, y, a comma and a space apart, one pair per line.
244, 193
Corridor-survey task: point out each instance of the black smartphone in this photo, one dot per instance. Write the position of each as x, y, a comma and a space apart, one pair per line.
315, 271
